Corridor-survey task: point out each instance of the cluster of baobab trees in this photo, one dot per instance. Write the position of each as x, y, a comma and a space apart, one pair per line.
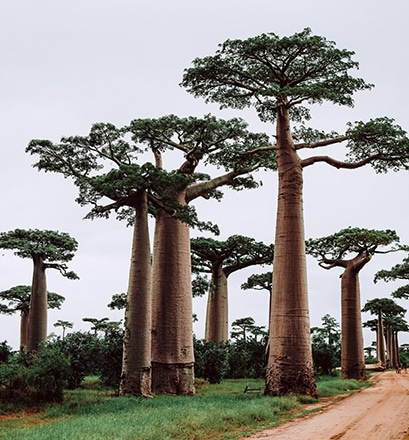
281, 78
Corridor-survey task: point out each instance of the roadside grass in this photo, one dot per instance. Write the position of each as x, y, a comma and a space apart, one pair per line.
220, 411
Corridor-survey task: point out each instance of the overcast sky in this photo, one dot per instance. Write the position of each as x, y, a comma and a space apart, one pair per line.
69, 64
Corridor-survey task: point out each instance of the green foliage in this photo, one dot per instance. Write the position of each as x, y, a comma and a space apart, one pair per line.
382, 140
118, 302
50, 245
326, 346
352, 240
110, 367
397, 272
235, 253
247, 358
266, 71
37, 379
5, 352
234, 359
105, 162
210, 360
18, 299
83, 351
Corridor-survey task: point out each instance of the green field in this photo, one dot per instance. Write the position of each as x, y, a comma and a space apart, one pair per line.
220, 411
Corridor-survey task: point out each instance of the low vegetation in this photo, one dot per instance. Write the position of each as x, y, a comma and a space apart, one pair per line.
217, 411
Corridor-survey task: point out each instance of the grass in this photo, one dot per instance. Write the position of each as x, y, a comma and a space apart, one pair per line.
220, 411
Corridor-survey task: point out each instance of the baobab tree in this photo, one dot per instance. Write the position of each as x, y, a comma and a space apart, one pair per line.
221, 259
382, 308
398, 272
105, 164
64, 325
48, 250
18, 300
279, 77
351, 249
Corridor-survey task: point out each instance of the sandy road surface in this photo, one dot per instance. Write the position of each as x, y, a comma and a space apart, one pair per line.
377, 413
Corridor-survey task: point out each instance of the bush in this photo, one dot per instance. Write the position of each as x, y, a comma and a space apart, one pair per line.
83, 349
5, 352
247, 358
110, 368
211, 360
29, 380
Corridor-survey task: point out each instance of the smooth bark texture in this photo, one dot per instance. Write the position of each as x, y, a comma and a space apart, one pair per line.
136, 362
380, 340
37, 327
172, 329
290, 368
217, 329
24, 319
352, 346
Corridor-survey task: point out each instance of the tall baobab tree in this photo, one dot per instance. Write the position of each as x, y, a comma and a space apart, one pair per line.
221, 259
382, 308
18, 300
105, 164
48, 250
351, 249
282, 78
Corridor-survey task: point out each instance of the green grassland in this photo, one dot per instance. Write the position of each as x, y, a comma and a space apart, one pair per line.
220, 411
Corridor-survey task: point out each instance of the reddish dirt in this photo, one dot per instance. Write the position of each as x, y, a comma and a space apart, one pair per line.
378, 412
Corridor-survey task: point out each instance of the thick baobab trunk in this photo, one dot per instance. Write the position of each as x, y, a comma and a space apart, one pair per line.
217, 329
37, 325
352, 346
136, 361
172, 331
380, 341
393, 348
24, 317
290, 366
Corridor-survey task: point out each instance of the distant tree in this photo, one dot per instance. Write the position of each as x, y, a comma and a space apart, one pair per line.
161, 311
398, 272
326, 345
351, 249
48, 250
221, 259
118, 301
382, 308
64, 325
262, 281
282, 78
394, 325
18, 300
245, 328
102, 325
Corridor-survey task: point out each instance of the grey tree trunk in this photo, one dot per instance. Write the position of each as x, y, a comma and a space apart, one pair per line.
290, 368
37, 326
136, 361
172, 328
217, 329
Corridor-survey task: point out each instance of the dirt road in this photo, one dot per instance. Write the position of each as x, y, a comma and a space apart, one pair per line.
379, 412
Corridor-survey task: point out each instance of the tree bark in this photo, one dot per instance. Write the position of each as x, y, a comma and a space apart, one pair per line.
217, 329
24, 319
37, 326
352, 346
136, 361
172, 329
380, 343
290, 367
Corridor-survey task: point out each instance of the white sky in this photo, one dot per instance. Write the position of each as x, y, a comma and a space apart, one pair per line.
69, 64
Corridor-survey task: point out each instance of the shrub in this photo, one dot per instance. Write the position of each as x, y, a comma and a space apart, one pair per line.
42, 379
111, 357
211, 360
5, 352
